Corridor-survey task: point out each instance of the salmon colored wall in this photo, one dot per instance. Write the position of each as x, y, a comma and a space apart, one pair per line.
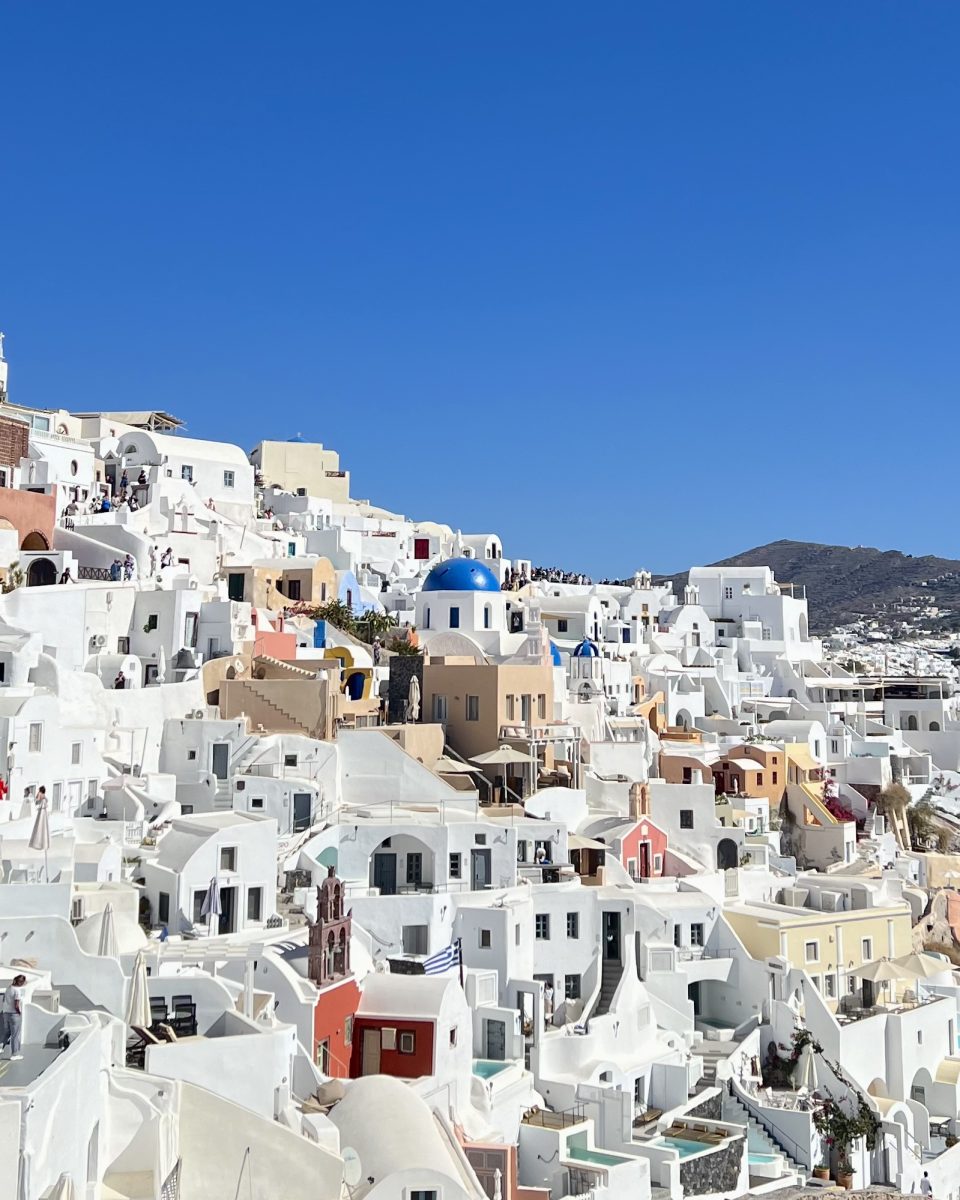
29, 512
392, 1062
334, 1004
645, 831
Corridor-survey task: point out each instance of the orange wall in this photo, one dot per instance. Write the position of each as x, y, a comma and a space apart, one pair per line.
29, 512
334, 1004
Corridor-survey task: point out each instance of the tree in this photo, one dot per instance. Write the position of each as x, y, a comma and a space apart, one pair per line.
375, 624
403, 647
15, 577
336, 613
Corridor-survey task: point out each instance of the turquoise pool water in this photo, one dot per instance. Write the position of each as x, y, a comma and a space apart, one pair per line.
683, 1147
486, 1068
755, 1156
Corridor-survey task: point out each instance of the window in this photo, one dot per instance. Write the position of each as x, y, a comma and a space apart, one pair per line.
191, 625
728, 593
834, 746
487, 616
919, 1037
323, 1056
688, 774
696, 934
454, 616
473, 708
686, 818
516, 935
348, 1031
830, 986
413, 938
525, 709
254, 904
454, 866
36, 737
562, 625
851, 985
811, 952
153, 620
773, 776
422, 1195
542, 707
191, 756
480, 839
571, 987
198, 899
415, 868
866, 950
163, 907
123, 645
426, 618
678, 935
76, 752
511, 708
573, 925
658, 862
228, 858
440, 708
486, 940
289, 760
256, 802
541, 927
186, 472
759, 779
228, 478
407, 1042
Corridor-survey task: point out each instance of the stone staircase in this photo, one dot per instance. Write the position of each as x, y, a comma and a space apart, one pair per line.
610, 975
291, 722
773, 1167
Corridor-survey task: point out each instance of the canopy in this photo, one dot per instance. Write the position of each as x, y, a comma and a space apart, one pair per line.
502, 757
450, 766
882, 971
922, 966
577, 842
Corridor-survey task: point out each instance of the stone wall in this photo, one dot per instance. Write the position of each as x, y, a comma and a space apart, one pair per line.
402, 669
716, 1172
710, 1109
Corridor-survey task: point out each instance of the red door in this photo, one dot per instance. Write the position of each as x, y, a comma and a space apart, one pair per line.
644, 860
421, 548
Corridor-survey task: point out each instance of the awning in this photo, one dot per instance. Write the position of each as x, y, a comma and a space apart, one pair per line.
576, 842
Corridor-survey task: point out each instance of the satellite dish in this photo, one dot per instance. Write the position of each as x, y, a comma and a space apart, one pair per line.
351, 1166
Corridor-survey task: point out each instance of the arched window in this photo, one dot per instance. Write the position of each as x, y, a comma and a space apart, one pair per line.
912, 722
487, 616
426, 618
934, 726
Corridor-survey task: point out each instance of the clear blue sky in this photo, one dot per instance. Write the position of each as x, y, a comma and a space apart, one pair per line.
631, 284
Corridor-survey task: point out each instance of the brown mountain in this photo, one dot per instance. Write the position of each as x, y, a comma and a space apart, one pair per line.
845, 582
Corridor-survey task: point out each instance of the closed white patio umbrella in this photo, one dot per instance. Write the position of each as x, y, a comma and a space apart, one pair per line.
413, 699
211, 904
805, 1073
40, 837
138, 995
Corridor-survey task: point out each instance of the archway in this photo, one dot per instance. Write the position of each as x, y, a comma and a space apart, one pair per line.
35, 540
727, 857
355, 683
912, 722
684, 720
934, 726
41, 573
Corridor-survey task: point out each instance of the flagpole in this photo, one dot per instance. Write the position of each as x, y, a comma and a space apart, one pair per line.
460, 958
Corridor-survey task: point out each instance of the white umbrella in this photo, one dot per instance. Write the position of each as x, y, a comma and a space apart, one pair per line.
40, 837
503, 757
922, 966
63, 1189
413, 699
161, 665
450, 766
138, 997
108, 946
805, 1073
211, 904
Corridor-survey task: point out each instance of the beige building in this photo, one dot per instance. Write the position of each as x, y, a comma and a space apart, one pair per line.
276, 583
829, 946
475, 701
304, 467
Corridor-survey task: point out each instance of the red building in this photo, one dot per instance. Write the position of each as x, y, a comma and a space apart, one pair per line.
412, 1025
329, 968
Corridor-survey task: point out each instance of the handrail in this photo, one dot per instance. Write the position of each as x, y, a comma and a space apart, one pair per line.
774, 1130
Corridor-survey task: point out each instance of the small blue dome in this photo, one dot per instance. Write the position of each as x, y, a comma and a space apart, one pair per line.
298, 438
586, 650
461, 575
555, 655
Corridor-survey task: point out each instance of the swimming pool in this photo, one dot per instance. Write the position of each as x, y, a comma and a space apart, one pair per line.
683, 1147
486, 1068
755, 1156
582, 1154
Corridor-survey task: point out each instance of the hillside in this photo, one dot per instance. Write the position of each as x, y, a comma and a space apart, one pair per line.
845, 582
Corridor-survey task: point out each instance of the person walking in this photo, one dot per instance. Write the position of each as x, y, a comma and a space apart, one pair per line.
12, 1017
926, 1187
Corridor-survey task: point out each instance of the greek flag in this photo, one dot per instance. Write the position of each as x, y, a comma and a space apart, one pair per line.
443, 960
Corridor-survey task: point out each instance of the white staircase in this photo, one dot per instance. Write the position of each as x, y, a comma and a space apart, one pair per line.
771, 1166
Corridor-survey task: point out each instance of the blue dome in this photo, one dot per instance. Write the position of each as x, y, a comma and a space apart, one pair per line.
586, 650
555, 655
461, 575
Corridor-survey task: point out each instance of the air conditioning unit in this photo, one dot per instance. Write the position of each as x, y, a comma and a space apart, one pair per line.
101, 639
241, 785
832, 901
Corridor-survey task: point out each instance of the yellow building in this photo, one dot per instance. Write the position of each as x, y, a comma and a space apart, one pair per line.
304, 467
829, 946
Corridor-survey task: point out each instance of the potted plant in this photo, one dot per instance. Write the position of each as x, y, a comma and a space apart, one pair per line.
845, 1173
822, 1169
840, 1130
